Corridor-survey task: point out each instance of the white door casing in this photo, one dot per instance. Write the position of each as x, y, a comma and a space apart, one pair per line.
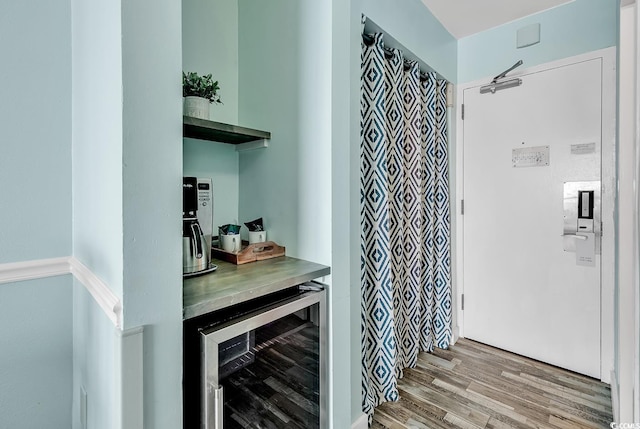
509, 238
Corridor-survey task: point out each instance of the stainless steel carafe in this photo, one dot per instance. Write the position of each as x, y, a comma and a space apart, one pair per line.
195, 254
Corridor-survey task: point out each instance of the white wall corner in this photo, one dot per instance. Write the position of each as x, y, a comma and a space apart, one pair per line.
456, 334
615, 396
361, 422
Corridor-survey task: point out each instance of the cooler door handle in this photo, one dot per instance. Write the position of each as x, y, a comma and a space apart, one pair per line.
214, 408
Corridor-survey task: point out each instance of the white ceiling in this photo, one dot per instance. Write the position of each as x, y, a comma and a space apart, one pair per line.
465, 17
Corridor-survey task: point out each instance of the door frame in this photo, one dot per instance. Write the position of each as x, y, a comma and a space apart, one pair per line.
609, 202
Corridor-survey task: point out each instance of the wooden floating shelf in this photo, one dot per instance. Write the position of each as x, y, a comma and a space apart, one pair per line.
220, 132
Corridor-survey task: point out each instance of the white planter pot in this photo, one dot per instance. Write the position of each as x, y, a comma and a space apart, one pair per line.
196, 107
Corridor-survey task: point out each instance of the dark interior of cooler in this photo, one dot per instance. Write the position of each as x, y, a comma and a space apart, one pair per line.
270, 375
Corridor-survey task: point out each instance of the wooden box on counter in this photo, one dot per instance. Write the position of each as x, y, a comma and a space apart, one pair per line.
250, 253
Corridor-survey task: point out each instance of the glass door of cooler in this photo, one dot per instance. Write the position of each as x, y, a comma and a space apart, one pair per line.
267, 369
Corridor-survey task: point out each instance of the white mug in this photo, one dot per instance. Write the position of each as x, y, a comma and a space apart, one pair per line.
257, 236
231, 242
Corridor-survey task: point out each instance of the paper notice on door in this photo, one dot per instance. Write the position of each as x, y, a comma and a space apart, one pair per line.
586, 250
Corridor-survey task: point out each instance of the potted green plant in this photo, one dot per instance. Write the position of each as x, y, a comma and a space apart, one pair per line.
199, 92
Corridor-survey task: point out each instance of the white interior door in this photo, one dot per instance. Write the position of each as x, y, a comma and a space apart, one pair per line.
522, 291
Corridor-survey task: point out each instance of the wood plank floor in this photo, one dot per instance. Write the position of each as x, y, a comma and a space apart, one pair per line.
473, 385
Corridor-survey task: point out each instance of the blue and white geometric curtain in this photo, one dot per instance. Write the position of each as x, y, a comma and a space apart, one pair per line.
404, 200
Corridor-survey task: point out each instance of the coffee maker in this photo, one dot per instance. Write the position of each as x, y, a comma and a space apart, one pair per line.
197, 225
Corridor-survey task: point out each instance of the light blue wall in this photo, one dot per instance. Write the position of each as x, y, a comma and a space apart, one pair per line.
127, 198
97, 202
412, 25
285, 59
94, 363
35, 135
35, 362
152, 198
345, 208
220, 162
575, 28
210, 45
35, 190
97, 139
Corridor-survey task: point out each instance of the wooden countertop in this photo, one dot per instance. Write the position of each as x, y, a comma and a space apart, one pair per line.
232, 284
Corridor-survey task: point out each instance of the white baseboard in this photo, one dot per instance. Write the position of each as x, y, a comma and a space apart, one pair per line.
131, 378
361, 422
456, 335
615, 396
42, 268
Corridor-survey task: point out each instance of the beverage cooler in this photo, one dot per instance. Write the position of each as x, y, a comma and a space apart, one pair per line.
259, 364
